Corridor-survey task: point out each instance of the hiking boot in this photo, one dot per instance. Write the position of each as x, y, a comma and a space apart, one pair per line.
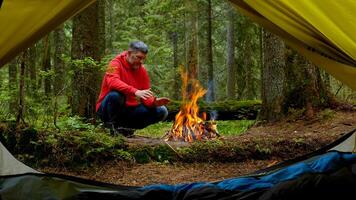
110, 125
115, 130
127, 132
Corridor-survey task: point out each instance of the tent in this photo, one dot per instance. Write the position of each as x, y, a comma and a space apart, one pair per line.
24, 22
307, 25
327, 173
321, 30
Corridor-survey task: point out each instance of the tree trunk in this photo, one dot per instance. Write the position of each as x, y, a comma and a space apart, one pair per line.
241, 77
59, 67
86, 42
306, 89
32, 71
175, 65
310, 88
273, 78
231, 71
21, 104
248, 68
192, 39
46, 65
101, 28
110, 6
13, 85
211, 84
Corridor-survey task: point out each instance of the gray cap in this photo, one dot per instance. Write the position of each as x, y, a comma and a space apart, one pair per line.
138, 46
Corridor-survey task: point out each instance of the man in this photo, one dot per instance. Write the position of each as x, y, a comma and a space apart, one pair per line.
126, 102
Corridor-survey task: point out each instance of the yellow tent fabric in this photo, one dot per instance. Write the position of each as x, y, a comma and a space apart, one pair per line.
321, 30
22, 22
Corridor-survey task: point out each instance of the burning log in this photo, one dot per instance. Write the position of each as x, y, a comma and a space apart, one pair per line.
188, 126
204, 131
211, 128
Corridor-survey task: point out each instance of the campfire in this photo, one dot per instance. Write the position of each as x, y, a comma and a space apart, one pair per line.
188, 125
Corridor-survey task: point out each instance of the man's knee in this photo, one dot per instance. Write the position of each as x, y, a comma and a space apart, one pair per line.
116, 98
162, 112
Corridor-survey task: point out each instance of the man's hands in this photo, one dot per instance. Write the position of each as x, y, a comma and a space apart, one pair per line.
144, 94
162, 101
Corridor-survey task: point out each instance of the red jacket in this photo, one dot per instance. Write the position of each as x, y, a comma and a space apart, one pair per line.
122, 78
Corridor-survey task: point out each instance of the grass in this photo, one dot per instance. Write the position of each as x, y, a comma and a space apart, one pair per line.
155, 130
226, 128
234, 127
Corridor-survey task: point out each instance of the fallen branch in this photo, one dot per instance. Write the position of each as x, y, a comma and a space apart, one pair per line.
173, 150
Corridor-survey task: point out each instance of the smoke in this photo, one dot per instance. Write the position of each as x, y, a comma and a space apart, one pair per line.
213, 115
209, 97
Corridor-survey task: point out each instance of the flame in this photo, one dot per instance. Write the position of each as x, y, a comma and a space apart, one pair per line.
188, 126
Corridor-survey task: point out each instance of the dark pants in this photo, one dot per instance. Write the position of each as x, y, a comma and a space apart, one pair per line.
113, 110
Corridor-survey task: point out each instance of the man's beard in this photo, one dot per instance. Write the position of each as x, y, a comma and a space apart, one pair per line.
135, 66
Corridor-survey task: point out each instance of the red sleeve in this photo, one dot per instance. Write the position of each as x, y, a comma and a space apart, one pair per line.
147, 85
114, 82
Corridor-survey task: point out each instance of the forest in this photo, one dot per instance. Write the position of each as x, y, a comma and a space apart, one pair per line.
264, 96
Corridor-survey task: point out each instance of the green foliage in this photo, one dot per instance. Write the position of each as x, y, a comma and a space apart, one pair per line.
203, 151
294, 114
73, 147
74, 123
155, 130
4, 105
327, 114
160, 153
122, 154
142, 154
163, 153
234, 128
263, 150
47, 74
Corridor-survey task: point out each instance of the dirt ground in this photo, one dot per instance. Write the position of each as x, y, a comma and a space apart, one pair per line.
323, 127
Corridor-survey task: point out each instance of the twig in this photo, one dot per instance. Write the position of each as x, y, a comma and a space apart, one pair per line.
174, 150
339, 89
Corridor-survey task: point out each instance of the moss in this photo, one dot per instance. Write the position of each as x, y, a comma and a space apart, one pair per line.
327, 114
220, 105
225, 110
26, 142
141, 155
163, 153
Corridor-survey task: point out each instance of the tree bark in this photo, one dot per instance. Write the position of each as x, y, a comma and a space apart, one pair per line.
249, 92
32, 70
231, 65
21, 103
13, 85
86, 42
273, 78
211, 84
101, 28
175, 65
46, 65
306, 89
59, 67
110, 6
192, 39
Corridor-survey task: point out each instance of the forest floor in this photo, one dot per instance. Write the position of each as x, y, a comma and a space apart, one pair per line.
324, 128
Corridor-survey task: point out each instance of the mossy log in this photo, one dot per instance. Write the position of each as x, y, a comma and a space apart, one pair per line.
222, 110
